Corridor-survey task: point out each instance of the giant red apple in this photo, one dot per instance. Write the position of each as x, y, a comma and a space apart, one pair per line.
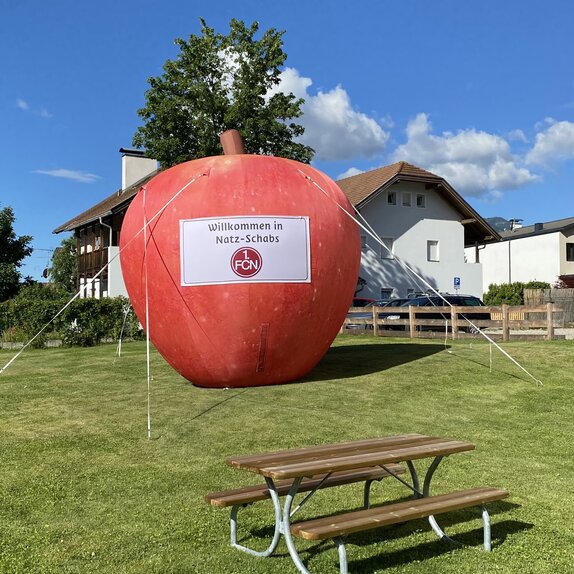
250, 266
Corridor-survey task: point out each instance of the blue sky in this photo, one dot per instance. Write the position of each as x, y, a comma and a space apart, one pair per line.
479, 92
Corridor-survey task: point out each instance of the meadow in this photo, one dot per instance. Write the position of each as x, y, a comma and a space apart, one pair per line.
84, 489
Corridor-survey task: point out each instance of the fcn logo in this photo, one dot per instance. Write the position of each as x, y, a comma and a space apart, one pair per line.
246, 262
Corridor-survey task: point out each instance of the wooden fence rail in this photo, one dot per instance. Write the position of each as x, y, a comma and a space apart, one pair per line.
385, 321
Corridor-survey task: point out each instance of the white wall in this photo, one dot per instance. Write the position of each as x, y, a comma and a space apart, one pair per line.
525, 259
135, 168
116, 285
566, 267
411, 228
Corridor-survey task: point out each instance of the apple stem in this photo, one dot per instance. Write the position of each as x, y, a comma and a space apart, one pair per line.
232, 142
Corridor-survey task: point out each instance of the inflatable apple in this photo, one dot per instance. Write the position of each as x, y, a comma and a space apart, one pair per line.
251, 266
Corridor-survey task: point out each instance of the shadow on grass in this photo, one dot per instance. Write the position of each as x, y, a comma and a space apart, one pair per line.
356, 360
472, 538
407, 528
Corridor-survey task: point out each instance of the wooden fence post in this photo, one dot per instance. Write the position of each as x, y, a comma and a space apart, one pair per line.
454, 321
375, 321
412, 327
550, 321
505, 325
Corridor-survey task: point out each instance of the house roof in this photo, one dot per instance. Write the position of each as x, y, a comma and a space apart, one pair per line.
362, 188
108, 206
539, 229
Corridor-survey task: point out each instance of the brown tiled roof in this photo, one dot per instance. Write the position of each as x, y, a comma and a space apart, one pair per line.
106, 207
364, 186
359, 187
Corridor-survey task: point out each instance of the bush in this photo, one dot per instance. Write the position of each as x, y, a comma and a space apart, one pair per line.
511, 293
90, 321
85, 322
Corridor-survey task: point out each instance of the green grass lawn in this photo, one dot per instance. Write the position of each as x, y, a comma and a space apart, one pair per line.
83, 489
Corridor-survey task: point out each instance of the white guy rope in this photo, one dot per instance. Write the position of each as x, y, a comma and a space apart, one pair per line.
150, 221
368, 229
147, 337
126, 313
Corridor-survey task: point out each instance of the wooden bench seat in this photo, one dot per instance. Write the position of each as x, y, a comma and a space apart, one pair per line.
249, 494
361, 520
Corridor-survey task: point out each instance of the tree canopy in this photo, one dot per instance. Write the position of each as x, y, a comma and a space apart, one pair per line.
63, 268
217, 83
13, 250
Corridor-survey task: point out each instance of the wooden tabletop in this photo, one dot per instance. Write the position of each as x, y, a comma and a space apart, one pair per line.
310, 461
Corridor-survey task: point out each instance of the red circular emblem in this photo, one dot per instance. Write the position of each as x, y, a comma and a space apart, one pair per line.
246, 262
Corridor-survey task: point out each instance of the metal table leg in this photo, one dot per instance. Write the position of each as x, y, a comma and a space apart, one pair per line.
286, 523
276, 534
426, 492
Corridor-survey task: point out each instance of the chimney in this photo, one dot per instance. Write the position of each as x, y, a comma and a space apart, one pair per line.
538, 226
515, 224
135, 166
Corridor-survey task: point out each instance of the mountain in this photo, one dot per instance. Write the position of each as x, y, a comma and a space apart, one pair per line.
499, 223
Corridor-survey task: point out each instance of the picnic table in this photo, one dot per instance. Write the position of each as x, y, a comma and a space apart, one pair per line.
308, 469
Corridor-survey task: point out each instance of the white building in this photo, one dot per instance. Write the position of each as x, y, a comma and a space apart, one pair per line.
422, 219
97, 230
539, 252
423, 222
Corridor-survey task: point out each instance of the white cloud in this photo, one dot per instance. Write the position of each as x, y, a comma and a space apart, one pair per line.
333, 128
473, 162
74, 175
350, 172
552, 145
25, 106
517, 135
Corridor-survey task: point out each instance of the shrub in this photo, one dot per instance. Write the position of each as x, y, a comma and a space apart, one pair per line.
511, 293
85, 322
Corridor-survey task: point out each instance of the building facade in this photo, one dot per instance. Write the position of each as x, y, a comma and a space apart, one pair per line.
97, 231
422, 223
539, 252
421, 220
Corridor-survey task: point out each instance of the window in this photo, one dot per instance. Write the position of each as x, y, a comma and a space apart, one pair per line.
421, 200
387, 248
89, 240
432, 250
386, 293
406, 199
570, 252
363, 241
391, 197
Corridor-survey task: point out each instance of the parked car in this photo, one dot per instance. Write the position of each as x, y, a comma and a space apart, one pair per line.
436, 301
368, 314
391, 302
362, 302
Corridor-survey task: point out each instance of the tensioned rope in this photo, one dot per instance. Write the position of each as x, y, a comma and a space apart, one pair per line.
367, 228
147, 336
91, 281
370, 231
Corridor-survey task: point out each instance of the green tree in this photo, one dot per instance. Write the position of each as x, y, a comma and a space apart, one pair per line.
63, 269
13, 250
218, 83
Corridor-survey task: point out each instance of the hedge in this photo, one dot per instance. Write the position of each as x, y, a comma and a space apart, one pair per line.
511, 293
85, 322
